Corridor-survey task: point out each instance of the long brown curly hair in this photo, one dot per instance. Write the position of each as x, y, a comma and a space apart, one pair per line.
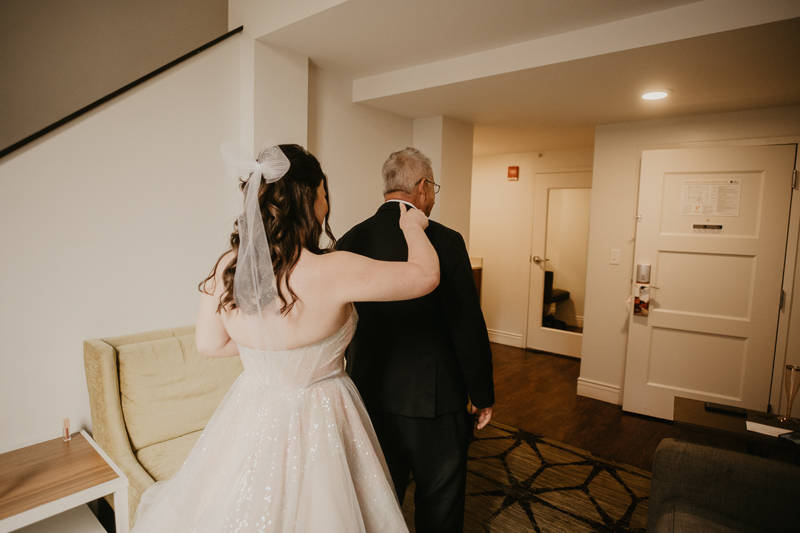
287, 208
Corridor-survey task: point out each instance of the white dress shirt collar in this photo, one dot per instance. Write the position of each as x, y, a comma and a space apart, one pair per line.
409, 204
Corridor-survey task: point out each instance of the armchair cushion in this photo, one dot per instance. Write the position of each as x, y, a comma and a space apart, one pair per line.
168, 389
162, 460
679, 514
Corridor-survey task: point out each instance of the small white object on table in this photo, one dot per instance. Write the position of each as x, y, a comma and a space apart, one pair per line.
766, 430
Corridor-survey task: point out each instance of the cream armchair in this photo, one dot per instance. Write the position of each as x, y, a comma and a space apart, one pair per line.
151, 394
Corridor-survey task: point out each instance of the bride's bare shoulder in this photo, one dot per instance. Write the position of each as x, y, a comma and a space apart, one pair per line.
326, 267
338, 259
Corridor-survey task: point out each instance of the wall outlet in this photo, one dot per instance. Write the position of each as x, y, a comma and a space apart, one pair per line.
614, 260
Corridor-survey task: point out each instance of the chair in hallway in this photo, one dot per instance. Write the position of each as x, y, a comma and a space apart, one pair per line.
551, 296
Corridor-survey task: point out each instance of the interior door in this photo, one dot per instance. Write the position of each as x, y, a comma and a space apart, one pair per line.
559, 245
713, 226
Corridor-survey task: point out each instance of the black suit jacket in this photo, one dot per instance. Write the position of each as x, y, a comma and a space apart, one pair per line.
420, 357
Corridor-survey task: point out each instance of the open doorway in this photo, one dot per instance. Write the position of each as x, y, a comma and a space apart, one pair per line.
559, 245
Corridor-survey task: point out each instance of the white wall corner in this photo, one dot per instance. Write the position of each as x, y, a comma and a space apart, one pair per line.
280, 106
263, 16
599, 391
455, 196
448, 143
427, 139
506, 338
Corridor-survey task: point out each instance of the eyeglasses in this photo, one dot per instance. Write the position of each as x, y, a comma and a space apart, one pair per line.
436, 186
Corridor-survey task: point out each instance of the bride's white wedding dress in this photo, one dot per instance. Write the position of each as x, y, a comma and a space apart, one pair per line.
290, 449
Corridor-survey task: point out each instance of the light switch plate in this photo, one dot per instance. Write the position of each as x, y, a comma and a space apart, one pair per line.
614, 256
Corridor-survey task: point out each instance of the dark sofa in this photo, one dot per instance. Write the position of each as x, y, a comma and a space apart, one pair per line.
703, 489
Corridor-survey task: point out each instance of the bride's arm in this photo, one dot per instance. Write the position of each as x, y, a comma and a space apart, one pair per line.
211, 337
360, 279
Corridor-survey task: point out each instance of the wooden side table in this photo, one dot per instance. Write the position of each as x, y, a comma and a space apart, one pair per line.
54, 476
692, 414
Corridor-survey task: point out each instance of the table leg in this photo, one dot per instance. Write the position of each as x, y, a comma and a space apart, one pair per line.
121, 518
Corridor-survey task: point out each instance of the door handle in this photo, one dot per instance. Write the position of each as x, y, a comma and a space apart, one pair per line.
538, 260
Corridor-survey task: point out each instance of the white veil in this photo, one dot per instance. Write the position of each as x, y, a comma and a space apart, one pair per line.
254, 288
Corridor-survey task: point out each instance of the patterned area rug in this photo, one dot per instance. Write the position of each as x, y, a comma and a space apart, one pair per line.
520, 482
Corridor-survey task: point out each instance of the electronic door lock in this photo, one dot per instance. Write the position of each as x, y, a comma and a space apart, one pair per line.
643, 273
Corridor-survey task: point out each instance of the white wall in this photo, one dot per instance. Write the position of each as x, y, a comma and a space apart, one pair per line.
500, 233
351, 142
613, 205
262, 16
258, 84
456, 193
428, 139
107, 226
448, 144
281, 97
566, 248
58, 57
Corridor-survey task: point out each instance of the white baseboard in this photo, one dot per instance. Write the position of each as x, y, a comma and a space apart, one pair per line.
504, 337
599, 391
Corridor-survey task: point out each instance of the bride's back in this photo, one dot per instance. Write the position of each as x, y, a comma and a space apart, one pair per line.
315, 316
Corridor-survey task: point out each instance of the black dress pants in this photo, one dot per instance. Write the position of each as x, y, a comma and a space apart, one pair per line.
435, 451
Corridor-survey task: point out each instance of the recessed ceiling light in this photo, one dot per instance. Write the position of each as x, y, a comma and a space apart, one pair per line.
655, 95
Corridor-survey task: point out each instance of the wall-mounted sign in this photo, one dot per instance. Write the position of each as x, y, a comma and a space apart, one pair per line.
718, 198
513, 173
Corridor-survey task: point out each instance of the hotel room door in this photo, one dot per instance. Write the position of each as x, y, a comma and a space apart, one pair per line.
559, 245
713, 229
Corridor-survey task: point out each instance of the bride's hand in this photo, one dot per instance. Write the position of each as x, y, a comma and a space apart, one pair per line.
410, 218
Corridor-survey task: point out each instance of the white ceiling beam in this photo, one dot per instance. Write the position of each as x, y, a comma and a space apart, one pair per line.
684, 22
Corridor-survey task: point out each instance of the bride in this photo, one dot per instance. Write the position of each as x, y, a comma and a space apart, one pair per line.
291, 447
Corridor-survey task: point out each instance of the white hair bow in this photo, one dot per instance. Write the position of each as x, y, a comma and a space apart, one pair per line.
238, 163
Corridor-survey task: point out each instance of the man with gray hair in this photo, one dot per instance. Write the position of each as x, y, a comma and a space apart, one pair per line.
418, 363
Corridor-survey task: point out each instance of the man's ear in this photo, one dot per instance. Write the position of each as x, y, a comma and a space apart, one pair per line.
421, 187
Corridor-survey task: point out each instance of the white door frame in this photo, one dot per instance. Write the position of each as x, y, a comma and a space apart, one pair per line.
534, 319
783, 349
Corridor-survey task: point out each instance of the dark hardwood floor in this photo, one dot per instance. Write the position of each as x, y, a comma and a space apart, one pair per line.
537, 392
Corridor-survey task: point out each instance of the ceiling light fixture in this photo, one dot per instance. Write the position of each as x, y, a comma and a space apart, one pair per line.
656, 95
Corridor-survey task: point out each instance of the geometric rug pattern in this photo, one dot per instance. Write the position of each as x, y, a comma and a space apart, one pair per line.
520, 482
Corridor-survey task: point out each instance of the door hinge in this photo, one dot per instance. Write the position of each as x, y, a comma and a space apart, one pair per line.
794, 179
783, 299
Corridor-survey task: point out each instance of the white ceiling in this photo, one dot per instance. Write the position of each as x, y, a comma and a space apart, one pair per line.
557, 105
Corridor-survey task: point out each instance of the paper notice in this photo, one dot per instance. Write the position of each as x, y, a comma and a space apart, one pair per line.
641, 300
766, 430
711, 197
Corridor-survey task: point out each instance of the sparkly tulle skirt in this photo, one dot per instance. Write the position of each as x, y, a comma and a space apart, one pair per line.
290, 449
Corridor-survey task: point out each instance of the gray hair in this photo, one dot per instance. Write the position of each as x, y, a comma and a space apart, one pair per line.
403, 170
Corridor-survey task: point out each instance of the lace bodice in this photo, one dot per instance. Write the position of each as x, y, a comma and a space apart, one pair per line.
301, 367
